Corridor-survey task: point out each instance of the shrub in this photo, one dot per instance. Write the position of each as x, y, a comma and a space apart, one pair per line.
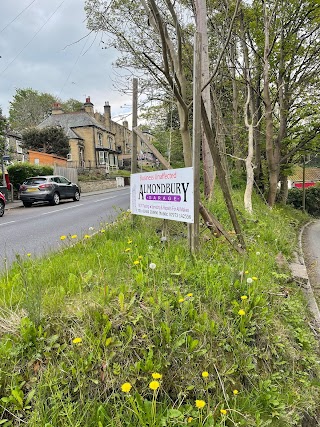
312, 199
20, 171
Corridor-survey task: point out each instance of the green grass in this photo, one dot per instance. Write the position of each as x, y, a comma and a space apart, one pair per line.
78, 325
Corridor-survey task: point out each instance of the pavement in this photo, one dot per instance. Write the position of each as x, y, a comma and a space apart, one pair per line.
18, 203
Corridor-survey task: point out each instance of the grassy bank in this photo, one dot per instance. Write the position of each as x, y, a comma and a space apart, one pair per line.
124, 328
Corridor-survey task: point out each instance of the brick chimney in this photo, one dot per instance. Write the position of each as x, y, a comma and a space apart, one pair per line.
107, 115
56, 109
88, 106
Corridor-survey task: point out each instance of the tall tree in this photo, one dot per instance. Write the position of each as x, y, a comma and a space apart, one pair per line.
30, 107
51, 140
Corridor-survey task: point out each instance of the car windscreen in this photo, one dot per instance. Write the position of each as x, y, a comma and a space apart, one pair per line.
35, 181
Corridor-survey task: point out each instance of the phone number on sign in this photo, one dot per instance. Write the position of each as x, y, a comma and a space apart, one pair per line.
179, 215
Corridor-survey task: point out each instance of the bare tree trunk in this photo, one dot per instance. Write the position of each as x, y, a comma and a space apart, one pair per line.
272, 148
248, 119
221, 174
208, 167
235, 107
220, 134
284, 188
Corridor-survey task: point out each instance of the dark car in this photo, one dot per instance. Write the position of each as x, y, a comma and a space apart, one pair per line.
2, 203
50, 188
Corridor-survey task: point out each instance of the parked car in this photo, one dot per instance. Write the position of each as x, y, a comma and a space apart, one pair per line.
2, 203
51, 188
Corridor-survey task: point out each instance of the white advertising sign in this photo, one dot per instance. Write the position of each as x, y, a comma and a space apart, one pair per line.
163, 194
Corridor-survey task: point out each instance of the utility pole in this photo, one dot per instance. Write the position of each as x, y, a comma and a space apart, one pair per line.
196, 138
134, 166
304, 184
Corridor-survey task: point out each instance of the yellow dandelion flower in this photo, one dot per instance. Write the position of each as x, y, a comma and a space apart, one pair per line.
136, 262
244, 297
156, 376
246, 272
200, 404
126, 387
127, 249
241, 312
189, 419
254, 278
129, 242
205, 374
140, 257
77, 340
29, 254
87, 236
180, 300
235, 391
223, 411
102, 231
154, 385
190, 294
74, 236
63, 237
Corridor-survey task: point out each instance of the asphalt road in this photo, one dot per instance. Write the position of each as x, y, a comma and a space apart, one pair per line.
311, 251
37, 230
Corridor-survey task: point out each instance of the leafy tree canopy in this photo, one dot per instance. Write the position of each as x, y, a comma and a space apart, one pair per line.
30, 107
3, 129
51, 140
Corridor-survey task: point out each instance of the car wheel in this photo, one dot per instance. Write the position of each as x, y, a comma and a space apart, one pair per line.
55, 199
1, 208
27, 204
76, 196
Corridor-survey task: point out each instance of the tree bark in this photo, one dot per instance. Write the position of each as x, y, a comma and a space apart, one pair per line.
208, 167
221, 175
272, 148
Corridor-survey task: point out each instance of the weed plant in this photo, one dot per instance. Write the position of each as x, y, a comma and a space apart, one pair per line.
127, 328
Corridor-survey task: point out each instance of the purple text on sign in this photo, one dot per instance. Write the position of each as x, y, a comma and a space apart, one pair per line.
163, 197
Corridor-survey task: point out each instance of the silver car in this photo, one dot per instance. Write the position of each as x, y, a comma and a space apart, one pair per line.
50, 188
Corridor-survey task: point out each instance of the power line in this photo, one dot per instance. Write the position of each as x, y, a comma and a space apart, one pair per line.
27, 7
75, 63
42, 26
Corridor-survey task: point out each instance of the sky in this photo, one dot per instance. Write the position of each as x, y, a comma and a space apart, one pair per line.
45, 46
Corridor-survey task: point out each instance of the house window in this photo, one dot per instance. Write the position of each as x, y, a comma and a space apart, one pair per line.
19, 147
36, 161
110, 142
69, 157
102, 160
100, 143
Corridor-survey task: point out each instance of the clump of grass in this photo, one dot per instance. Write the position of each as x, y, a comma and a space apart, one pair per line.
131, 330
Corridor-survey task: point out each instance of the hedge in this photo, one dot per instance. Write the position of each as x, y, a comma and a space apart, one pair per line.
312, 199
19, 172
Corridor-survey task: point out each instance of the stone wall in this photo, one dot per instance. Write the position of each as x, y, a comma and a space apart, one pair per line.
88, 186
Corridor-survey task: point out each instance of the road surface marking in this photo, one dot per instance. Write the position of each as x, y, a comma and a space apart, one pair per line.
5, 223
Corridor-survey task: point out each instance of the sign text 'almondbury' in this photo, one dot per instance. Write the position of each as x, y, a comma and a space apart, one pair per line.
163, 194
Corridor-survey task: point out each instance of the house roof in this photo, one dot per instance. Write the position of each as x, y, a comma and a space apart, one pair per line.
68, 121
311, 174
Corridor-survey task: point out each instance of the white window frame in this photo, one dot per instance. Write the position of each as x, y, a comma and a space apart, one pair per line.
19, 147
102, 159
100, 139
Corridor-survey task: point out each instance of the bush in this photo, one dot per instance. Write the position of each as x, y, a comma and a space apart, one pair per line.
312, 199
20, 171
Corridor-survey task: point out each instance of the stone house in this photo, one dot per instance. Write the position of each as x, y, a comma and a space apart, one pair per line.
96, 141
13, 148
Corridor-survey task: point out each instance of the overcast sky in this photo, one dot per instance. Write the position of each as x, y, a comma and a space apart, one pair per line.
38, 50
